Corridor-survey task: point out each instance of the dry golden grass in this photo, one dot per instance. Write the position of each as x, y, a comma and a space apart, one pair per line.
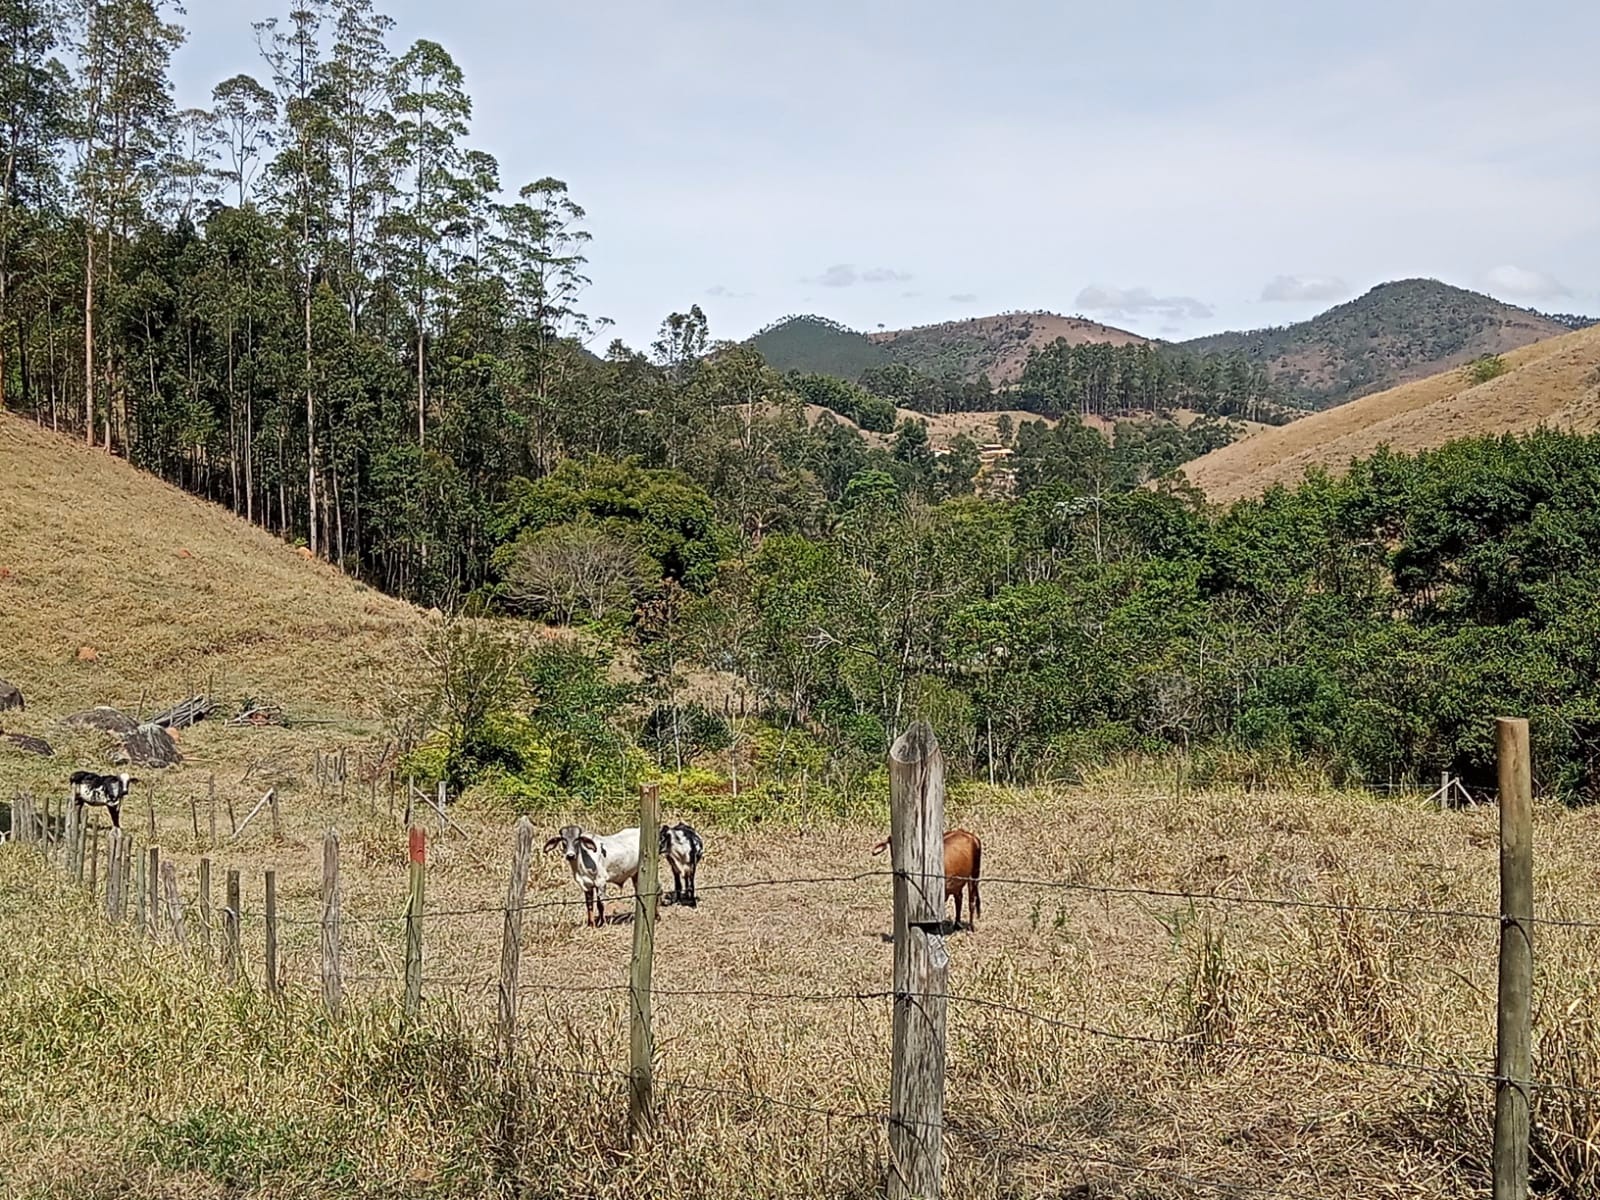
126, 1070
1553, 382
170, 592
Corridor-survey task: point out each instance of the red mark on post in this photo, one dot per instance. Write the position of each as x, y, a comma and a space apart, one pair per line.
419, 845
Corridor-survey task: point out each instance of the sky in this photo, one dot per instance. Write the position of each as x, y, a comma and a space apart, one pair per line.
1174, 168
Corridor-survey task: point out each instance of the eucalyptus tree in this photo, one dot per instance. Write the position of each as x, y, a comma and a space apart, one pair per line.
247, 114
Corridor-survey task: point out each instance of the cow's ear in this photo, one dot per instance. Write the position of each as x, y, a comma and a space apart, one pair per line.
589, 844
552, 844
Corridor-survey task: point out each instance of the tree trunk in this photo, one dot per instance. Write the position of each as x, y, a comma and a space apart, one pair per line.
88, 339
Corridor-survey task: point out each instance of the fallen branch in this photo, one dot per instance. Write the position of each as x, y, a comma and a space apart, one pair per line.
443, 816
260, 804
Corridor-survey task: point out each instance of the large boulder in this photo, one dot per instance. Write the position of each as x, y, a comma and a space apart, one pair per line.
104, 718
149, 746
10, 696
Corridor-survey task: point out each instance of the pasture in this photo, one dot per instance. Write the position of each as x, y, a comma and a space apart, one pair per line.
1132, 1041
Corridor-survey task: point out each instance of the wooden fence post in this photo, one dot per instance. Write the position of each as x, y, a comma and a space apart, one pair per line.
277, 820
154, 878
272, 934
169, 884
332, 984
645, 906
140, 889
418, 847
113, 871
1513, 1053
211, 809
125, 880
921, 965
511, 939
205, 908
230, 925
94, 861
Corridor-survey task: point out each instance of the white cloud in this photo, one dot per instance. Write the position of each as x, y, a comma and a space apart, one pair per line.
964, 298
1141, 302
723, 292
842, 275
1523, 284
1297, 288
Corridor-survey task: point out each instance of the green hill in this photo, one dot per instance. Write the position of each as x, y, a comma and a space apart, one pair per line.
1397, 332
818, 346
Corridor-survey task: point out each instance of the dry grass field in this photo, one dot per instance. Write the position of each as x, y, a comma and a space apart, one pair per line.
1103, 1043
1554, 382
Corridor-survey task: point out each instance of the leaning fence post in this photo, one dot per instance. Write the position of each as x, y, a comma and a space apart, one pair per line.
272, 933
230, 925
1513, 1053
154, 878
511, 939
418, 847
921, 965
332, 985
646, 902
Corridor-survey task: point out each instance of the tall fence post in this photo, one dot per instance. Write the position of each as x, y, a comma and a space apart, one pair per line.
272, 934
154, 878
125, 880
511, 939
205, 908
169, 884
921, 965
211, 810
417, 846
332, 983
140, 888
645, 905
1514, 1041
230, 925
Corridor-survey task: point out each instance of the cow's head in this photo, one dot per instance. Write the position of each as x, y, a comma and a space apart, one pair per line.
570, 841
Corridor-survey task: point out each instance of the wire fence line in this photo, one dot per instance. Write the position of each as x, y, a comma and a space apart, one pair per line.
920, 882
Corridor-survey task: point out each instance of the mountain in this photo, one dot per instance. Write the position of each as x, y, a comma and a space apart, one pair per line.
1397, 332
818, 346
171, 593
1554, 382
995, 346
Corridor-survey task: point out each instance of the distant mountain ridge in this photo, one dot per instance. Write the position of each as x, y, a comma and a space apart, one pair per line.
1397, 332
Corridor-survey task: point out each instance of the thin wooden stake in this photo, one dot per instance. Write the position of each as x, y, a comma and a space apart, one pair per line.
272, 934
418, 847
269, 798
230, 926
94, 861
169, 884
140, 890
205, 909
511, 939
154, 878
277, 821
647, 895
332, 984
125, 884
921, 965
155, 835
113, 873
1514, 1041
211, 809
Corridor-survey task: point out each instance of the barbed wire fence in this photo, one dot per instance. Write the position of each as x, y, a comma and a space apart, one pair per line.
140, 891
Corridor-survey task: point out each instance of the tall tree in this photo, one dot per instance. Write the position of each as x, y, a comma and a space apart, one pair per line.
246, 112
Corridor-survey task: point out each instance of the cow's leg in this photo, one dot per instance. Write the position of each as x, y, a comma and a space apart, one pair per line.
677, 882
689, 874
116, 815
600, 907
959, 890
588, 907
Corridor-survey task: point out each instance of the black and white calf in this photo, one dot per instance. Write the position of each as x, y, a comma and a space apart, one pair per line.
682, 848
101, 791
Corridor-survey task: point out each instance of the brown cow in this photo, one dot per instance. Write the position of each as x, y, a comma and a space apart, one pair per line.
963, 867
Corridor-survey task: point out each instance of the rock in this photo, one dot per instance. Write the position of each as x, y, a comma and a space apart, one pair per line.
105, 718
88, 654
10, 696
149, 746
32, 745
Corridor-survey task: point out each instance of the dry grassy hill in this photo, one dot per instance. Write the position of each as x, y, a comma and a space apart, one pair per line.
995, 346
1554, 382
167, 593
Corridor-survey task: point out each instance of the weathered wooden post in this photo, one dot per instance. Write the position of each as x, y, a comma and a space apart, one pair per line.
1514, 1041
230, 925
113, 873
211, 809
277, 820
645, 905
511, 939
205, 908
418, 849
921, 965
94, 861
332, 983
140, 888
169, 884
154, 880
272, 934
194, 817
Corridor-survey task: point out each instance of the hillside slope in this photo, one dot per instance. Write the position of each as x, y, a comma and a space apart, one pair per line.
171, 594
817, 346
1397, 332
1554, 382
995, 346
